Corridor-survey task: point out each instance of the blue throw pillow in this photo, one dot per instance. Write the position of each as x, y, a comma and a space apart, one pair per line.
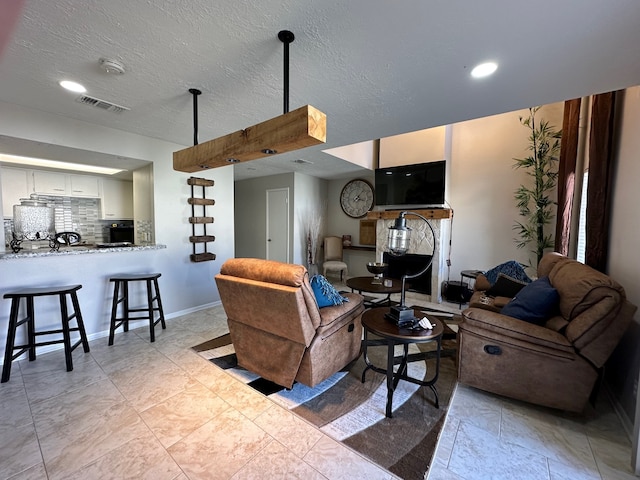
324, 292
535, 303
511, 268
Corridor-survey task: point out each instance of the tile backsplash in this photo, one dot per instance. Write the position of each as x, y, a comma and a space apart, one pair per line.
73, 214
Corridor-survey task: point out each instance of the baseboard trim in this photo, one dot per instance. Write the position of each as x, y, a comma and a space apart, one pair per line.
192, 310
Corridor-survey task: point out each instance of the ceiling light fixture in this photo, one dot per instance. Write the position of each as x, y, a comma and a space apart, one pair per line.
41, 162
484, 70
301, 128
72, 86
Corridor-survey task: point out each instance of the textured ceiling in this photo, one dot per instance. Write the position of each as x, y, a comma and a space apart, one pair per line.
376, 68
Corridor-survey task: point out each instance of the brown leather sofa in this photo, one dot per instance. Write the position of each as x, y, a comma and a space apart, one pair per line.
555, 364
479, 298
276, 327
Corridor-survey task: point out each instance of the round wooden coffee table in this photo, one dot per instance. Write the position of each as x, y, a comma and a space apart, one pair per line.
364, 284
374, 322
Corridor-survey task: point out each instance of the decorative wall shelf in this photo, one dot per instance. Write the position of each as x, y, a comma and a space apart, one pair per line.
435, 213
201, 237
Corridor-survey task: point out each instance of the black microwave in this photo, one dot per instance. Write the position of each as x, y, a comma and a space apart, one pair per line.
121, 234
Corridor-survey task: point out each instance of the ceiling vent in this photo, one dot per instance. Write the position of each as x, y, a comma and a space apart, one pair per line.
104, 105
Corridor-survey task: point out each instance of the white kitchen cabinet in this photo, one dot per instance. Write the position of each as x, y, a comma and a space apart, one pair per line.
50, 183
15, 185
117, 199
84, 186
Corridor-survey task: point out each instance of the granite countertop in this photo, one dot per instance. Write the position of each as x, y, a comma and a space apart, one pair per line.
79, 250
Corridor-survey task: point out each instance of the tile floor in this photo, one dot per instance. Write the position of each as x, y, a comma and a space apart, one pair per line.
489, 437
159, 411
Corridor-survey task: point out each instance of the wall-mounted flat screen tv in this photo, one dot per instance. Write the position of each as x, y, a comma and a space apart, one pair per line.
421, 184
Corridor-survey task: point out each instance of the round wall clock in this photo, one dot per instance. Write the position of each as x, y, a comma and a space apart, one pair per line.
356, 198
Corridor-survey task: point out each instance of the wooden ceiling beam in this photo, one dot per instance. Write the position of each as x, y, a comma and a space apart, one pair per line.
300, 128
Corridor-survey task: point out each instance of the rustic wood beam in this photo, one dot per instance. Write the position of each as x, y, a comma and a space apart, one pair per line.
300, 128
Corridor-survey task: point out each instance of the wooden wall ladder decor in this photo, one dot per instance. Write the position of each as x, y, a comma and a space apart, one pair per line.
203, 220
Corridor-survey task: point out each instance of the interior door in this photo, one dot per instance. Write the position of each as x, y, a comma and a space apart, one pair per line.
278, 224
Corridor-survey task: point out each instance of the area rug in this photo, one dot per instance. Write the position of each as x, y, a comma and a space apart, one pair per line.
353, 412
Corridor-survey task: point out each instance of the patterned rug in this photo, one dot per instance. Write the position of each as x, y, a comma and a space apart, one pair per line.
353, 412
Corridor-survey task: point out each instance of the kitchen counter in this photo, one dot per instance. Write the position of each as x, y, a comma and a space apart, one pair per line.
79, 250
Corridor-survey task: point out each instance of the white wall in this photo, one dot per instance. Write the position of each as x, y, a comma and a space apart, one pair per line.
143, 207
251, 213
364, 154
482, 185
416, 147
624, 262
305, 193
310, 198
184, 285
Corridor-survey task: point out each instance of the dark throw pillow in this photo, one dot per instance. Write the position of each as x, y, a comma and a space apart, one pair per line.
511, 268
505, 286
535, 303
324, 292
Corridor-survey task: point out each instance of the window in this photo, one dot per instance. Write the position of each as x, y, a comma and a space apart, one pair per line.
582, 221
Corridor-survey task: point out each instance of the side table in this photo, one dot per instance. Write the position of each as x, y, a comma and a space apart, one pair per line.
364, 284
470, 274
374, 322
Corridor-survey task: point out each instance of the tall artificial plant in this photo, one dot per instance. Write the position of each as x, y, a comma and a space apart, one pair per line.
311, 223
534, 200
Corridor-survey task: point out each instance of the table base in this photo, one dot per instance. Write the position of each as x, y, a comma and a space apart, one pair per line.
401, 374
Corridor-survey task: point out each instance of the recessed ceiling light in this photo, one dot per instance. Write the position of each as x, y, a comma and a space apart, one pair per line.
72, 86
484, 69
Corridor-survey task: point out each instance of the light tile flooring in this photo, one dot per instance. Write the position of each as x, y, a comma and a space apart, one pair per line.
491, 437
159, 411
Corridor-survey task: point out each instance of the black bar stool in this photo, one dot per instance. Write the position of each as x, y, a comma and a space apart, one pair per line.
153, 295
14, 322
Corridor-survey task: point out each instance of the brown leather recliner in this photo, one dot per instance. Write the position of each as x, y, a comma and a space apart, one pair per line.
557, 364
276, 327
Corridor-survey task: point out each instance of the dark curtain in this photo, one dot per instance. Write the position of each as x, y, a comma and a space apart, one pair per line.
567, 173
601, 171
